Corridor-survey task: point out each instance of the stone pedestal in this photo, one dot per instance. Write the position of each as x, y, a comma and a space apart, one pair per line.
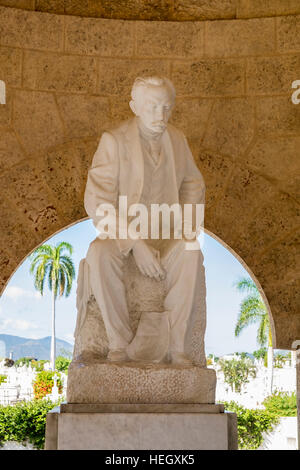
130, 382
140, 427
140, 406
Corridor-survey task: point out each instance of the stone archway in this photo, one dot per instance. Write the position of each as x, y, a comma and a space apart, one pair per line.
67, 78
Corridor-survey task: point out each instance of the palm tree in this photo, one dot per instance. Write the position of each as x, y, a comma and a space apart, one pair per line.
253, 310
53, 263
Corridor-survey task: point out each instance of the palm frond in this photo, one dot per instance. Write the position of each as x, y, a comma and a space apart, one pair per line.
69, 283
246, 284
250, 313
39, 258
252, 310
61, 281
68, 265
263, 330
64, 246
52, 280
40, 276
42, 250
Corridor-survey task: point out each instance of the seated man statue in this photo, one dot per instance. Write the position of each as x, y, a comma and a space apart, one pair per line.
148, 162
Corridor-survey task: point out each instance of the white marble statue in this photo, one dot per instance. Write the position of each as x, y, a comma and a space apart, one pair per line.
148, 162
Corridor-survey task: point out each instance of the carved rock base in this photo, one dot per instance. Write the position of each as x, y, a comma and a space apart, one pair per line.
104, 382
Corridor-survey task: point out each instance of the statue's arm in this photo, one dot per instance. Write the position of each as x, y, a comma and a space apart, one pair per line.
102, 187
103, 176
192, 191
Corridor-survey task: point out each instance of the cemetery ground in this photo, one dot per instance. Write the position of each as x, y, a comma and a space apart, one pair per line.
266, 418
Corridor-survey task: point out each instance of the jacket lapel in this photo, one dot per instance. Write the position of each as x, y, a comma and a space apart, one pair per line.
134, 154
169, 151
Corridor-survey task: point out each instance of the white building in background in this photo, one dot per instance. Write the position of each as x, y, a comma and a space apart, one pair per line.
18, 385
284, 436
253, 393
257, 389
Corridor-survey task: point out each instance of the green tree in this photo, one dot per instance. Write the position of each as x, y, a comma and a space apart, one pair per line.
62, 363
281, 403
253, 310
38, 365
281, 358
260, 353
24, 361
237, 372
53, 264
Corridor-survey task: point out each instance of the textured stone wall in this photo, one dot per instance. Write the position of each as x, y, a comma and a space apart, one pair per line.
167, 10
68, 78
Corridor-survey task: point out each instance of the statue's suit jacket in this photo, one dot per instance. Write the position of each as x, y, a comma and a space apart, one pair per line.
117, 170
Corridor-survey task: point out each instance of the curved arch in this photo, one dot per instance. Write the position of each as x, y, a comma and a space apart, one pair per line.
41, 243
187, 10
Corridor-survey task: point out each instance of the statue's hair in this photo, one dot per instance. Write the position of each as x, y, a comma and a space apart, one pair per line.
145, 82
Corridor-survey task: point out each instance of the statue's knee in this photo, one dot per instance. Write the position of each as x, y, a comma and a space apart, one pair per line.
102, 249
193, 255
97, 248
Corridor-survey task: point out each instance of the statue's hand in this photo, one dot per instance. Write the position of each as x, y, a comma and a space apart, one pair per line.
148, 260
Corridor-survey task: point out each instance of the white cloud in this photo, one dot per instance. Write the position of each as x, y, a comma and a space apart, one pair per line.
15, 293
16, 324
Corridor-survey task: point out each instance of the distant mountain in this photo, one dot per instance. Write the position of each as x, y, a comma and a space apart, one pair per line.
27, 347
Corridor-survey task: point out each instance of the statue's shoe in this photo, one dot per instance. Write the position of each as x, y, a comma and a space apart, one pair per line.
117, 355
180, 358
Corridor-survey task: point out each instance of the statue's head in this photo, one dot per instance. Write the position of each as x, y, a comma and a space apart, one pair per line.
152, 101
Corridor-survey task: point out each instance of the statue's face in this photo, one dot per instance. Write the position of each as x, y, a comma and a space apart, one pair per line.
154, 107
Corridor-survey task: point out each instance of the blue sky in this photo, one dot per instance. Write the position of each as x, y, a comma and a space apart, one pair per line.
23, 312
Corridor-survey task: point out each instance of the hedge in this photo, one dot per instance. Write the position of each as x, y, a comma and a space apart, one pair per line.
281, 404
251, 423
25, 421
